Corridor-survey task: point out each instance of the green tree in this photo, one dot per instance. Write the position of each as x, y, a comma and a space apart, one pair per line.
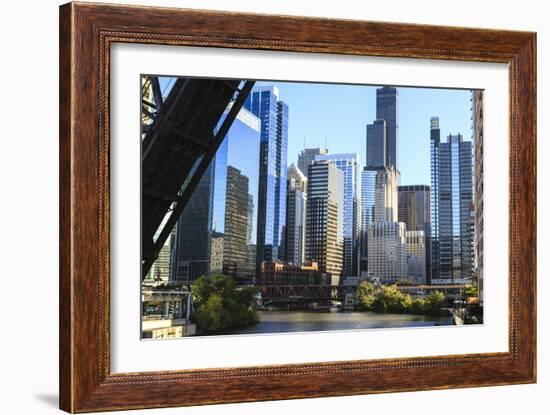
391, 300
365, 295
470, 291
221, 305
434, 302
418, 306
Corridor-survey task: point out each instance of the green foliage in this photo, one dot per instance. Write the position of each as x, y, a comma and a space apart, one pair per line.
365, 295
391, 300
434, 302
221, 305
388, 299
470, 291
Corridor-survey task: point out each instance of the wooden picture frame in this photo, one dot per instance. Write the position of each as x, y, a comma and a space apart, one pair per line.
86, 33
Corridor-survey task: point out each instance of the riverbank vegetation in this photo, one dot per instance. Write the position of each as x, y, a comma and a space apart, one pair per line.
221, 305
388, 299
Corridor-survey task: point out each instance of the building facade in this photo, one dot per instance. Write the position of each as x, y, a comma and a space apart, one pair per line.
385, 195
192, 239
296, 202
307, 157
477, 124
368, 180
236, 198
264, 102
451, 208
387, 251
414, 212
348, 164
216, 233
325, 216
383, 133
416, 256
376, 144
379, 203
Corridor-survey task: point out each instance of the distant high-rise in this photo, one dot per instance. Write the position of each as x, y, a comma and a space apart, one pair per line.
383, 133
368, 180
387, 109
193, 232
307, 157
385, 195
383, 238
451, 207
264, 102
161, 270
477, 124
349, 165
296, 200
376, 144
416, 256
387, 251
379, 205
414, 211
325, 215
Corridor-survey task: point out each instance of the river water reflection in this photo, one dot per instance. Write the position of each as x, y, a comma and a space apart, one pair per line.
296, 321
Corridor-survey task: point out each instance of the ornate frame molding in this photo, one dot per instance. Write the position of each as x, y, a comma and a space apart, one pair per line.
86, 34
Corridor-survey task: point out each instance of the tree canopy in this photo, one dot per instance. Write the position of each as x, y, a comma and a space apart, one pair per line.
221, 305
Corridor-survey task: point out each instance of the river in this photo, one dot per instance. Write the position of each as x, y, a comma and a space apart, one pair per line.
299, 321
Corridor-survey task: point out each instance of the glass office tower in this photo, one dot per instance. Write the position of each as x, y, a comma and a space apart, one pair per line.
192, 254
349, 165
452, 207
414, 211
368, 181
216, 232
236, 200
264, 102
387, 110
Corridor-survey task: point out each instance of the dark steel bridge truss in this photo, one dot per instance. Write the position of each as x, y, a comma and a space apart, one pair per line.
179, 141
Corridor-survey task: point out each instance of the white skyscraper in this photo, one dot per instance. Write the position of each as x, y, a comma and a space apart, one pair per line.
349, 165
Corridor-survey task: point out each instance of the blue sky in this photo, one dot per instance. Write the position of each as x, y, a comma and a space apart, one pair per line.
341, 112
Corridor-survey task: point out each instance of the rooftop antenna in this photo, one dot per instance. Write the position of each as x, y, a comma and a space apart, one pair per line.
304, 142
326, 142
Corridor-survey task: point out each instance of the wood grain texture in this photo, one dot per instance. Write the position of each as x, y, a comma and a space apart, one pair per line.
86, 33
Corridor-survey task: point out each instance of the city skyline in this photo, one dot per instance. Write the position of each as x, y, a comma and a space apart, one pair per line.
308, 227
343, 125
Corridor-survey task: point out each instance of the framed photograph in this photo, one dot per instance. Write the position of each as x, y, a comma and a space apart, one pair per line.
258, 207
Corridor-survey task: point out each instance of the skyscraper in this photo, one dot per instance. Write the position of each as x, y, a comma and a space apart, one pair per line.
264, 102
451, 207
383, 133
193, 232
307, 157
368, 180
217, 229
416, 256
385, 195
387, 251
376, 144
349, 165
387, 110
325, 215
296, 199
235, 200
477, 124
384, 248
414, 211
